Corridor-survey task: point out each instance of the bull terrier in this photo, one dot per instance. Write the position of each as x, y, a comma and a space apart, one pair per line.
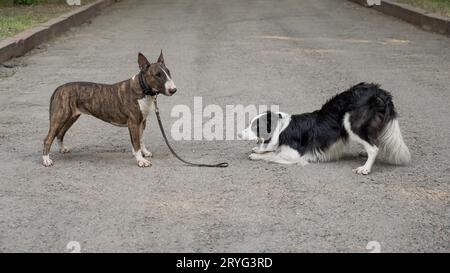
125, 104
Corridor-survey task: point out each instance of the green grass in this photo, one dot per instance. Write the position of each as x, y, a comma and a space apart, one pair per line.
441, 7
16, 18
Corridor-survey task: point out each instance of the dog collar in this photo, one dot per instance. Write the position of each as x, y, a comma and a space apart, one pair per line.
144, 86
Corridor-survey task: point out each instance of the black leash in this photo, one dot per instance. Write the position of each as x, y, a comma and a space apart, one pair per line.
219, 165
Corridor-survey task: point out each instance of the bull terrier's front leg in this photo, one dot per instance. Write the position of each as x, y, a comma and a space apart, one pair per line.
135, 129
145, 152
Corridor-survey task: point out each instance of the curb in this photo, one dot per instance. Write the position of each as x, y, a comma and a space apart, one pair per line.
28, 39
416, 16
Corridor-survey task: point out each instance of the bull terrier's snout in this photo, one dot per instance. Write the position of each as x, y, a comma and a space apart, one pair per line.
170, 87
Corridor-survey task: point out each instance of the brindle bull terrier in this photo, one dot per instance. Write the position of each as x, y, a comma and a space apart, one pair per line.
126, 103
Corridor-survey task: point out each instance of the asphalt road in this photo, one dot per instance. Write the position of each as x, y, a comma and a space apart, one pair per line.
294, 54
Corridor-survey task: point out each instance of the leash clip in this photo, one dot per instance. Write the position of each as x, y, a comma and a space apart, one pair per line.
156, 104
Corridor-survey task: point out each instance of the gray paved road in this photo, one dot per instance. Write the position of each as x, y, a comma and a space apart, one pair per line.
292, 53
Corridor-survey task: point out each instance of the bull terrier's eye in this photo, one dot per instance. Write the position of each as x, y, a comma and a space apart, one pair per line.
158, 75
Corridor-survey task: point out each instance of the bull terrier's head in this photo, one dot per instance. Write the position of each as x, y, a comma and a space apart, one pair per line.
157, 75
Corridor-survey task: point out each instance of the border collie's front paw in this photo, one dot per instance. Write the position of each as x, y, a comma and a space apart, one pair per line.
144, 163
257, 150
254, 157
361, 170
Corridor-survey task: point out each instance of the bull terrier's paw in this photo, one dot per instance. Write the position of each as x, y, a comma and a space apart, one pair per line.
254, 157
46, 161
144, 163
64, 150
146, 153
361, 170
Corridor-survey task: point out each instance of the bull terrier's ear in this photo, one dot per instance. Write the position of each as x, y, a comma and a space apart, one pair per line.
142, 61
161, 58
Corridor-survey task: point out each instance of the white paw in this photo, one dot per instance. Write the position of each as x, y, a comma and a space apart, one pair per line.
46, 161
254, 157
64, 150
361, 170
257, 150
144, 163
146, 153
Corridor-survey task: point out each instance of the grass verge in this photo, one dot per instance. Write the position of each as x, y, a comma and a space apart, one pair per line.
441, 7
16, 18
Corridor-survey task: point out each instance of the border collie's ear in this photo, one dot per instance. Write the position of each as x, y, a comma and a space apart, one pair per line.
142, 61
161, 58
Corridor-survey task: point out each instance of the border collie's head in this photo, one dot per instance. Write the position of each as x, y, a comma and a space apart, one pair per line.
261, 127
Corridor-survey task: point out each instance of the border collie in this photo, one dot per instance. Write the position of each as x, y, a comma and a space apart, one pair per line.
364, 114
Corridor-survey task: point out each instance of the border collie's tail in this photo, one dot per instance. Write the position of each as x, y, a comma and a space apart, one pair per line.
392, 147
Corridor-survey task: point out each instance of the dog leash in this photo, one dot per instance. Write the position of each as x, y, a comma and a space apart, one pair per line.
158, 117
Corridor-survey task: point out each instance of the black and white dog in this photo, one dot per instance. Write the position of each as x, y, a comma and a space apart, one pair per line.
364, 114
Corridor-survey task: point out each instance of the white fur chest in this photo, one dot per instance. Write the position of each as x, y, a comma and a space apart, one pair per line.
146, 104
